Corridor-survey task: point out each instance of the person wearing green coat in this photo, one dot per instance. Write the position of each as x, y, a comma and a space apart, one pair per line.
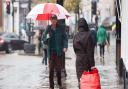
102, 39
56, 39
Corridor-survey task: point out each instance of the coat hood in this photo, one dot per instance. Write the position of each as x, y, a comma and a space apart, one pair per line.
82, 25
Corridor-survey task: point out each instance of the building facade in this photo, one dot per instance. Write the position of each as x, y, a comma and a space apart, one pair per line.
1, 16
105, 8
7, 25
14, 21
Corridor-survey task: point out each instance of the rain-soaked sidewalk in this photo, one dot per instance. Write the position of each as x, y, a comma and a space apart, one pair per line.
107, 70
27, 72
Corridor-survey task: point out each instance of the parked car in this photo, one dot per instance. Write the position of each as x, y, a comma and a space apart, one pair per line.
10, 42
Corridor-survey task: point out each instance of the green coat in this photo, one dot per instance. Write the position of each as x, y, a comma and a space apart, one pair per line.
57, 40
101, 35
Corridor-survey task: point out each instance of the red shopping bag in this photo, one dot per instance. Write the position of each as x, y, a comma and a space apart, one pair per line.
90, 80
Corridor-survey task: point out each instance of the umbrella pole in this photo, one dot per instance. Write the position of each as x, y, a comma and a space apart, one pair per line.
48, 19
48, 22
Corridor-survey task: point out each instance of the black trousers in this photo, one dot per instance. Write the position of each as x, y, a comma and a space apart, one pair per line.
102, 49
45, 57
63, 61
55, 62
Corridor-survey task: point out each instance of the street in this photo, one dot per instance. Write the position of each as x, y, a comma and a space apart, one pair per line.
23, 25
27, 72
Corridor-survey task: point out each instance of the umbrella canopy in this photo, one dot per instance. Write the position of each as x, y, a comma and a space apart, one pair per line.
46, 10
108, 21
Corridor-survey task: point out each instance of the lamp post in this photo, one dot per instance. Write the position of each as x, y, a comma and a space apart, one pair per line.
13, 15
29, 5
60, 2
76, 16
62, 21
93, 8
29, 25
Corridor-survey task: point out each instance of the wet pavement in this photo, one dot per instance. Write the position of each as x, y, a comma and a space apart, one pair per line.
27, 72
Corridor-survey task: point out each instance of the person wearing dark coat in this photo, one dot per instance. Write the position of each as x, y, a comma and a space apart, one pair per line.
83, 48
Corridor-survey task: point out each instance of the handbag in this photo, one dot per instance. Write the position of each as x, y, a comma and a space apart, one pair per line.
90, 80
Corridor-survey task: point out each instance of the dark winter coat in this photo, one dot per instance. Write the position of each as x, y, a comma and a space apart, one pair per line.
58, 38
84, 49
94, 36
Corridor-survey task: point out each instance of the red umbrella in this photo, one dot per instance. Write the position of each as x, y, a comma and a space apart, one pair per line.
43, 16
44, 12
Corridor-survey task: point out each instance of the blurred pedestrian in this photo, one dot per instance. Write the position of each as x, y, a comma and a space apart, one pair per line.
97, 20
56, 38
94, 38
84, 48
40, 40
36, 41
94, 35
45, 48
24, 35
102, 39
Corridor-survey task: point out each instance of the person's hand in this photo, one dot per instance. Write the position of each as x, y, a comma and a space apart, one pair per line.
93, 67
64, 49
48, 36
107, 43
